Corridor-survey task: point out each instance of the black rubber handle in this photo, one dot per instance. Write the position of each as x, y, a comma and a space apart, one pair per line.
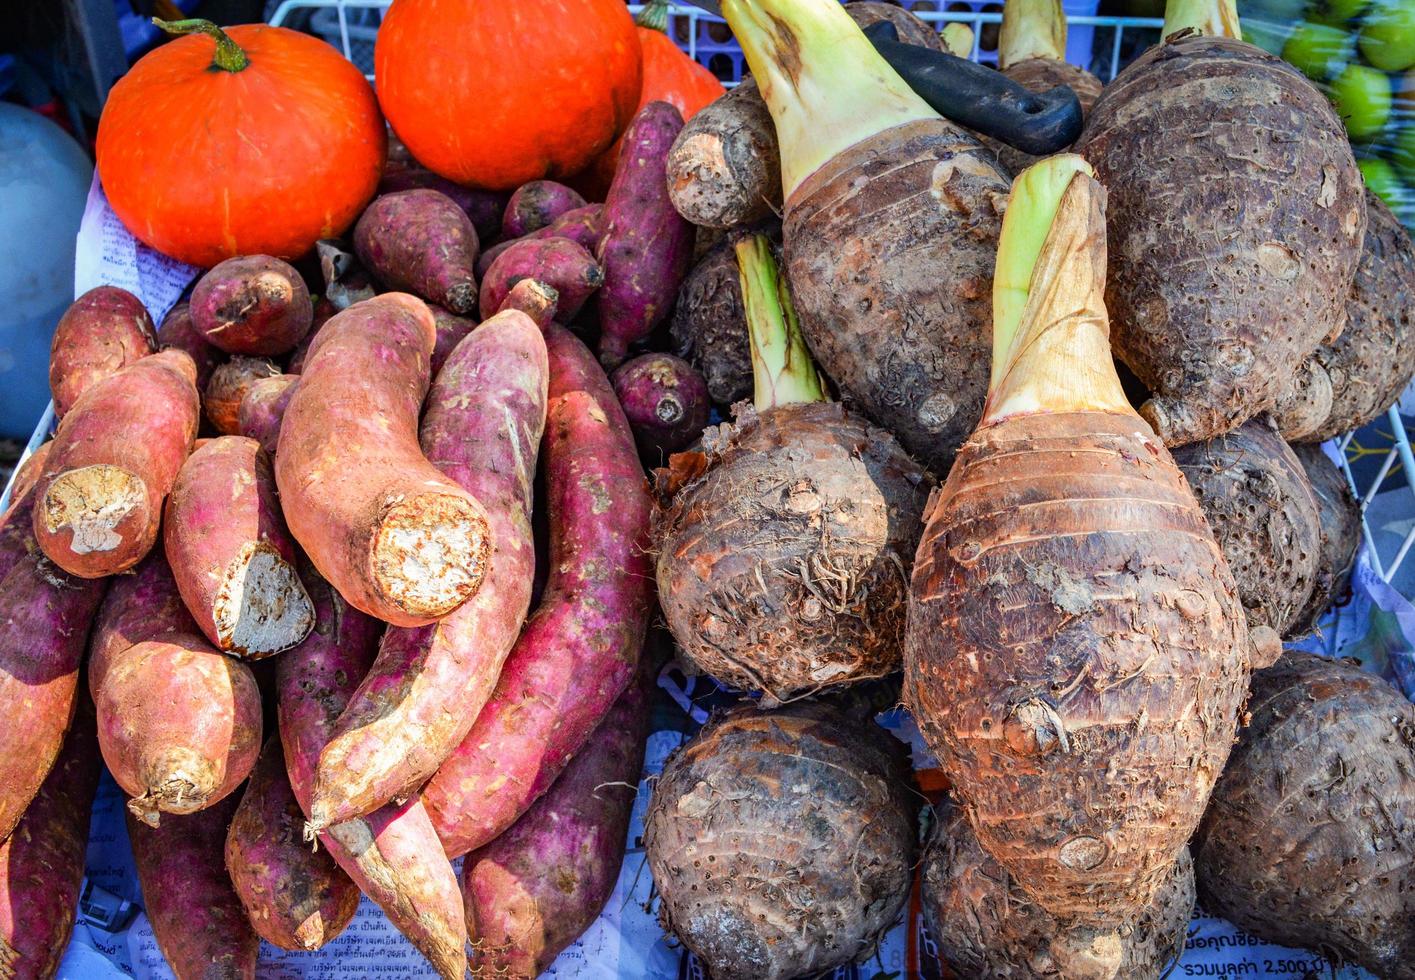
982, 98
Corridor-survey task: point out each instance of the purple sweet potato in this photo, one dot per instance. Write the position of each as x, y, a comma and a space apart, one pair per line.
27, 475
484, 208
295, 897
179, 723
581, 226
580, 648
535, 205
263, 406
46, 619
98, 502
195, 915
392, 854
451, 328
646, 245
346, 281
252, 304
227, 387
533, 298
103, 331
558, 262
398, 539
422, 242
42, 862
665, 399
537, 887
230, 552
178, 331
482, 429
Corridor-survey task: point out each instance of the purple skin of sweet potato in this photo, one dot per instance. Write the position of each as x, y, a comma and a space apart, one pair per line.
262, 408
420, 241
535, 205
665, 399
46, 615
295, 896
392, 854
581, 226
484, 208
230, 552
579, 650
103, 331
451, 328
647, 245
482, 428
252, 304
196, 918
42, 862
558, 262
179, 332
323, 312
537, 887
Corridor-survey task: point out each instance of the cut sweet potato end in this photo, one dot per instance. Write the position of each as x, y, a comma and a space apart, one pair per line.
91, 502
430, 553
261, 607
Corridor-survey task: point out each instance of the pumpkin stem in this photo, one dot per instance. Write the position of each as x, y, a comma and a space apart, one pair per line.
229, 55
654, 16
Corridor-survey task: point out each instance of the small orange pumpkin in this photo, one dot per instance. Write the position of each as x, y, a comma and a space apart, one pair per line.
493, 93
255, 139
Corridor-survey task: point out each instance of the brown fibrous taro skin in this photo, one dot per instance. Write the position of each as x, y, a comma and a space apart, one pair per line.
985, 925
782, 843
1340, 516
1236, 220
1309, 839
1260, 506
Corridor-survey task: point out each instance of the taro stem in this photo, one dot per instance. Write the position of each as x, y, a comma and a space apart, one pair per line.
1212, 18
1031, 29
782, 370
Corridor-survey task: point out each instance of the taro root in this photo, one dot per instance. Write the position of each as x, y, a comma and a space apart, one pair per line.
1261, 509
1302, 407
1076, 652
892, 216
782, 842
1310, 837
784, 543
1339, 513
986, 926
724, 169
911, 29
1237, 215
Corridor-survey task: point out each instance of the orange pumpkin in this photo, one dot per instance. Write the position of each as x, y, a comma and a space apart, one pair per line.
252, 140
493, 93
669, 76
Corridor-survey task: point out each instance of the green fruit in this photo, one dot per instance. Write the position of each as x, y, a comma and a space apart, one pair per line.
1382, 180
1362, 98
1403, 154
1388, 35
1317, 50
1335, 12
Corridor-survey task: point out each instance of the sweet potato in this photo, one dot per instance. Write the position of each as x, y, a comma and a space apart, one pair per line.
709, 326
294, 897
450, 331
484, 208
42, 861
323, 312
391, 854
558, 262
646, 245
398, 539
1339, 514
537, 887
533, 298
195, 915
252, 304
178, 331
581, 226
578, 651
1260, 506
98, 502
483, 424
803, 791
227, 388
535, 205
665, 400
263, 407
1215, 305
179, 723
724, 169
422, 242
1309, 838
985, 926
346, 281
103, 331
27, 475
229, 550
